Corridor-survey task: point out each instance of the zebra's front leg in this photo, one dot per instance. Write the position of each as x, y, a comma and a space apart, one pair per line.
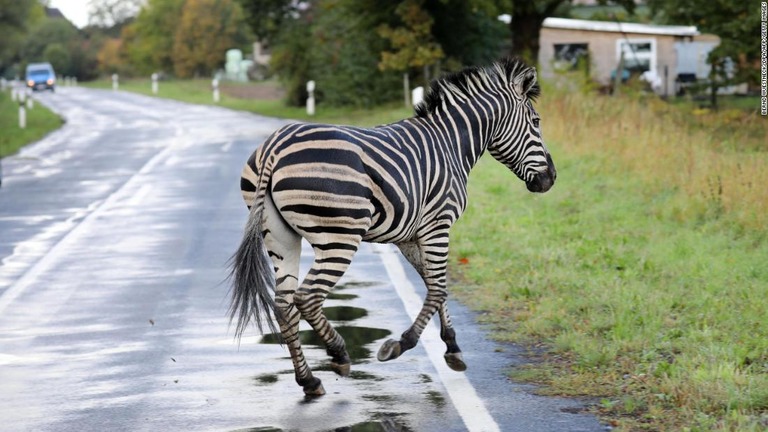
414, 253
452, 355
392, 349
430, 261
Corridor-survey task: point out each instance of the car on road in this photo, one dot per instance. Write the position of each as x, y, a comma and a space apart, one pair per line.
40, 76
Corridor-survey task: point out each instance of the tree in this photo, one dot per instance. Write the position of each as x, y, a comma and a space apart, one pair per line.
208, 28
148, 41
111, 57
112, 13
413, 44
53, 40
58, 55
444, 33
16, 19
291, 60
268, 18
345, 55
736, 22
469, 32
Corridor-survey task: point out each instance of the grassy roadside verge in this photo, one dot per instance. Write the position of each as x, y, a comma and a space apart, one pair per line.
643, 274
199, 91
40, 121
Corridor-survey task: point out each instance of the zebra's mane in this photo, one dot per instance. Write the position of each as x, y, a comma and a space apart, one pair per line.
465, 83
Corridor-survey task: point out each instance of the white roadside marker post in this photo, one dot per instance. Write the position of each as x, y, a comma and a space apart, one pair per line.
22, 110
311, 98
417, 95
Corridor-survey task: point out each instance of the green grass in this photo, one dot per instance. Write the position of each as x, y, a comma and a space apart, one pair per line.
199, 91
642, 293
40, 121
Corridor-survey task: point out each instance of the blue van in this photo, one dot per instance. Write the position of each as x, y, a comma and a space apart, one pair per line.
40, 76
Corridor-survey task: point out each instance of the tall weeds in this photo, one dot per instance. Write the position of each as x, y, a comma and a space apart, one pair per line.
718, 162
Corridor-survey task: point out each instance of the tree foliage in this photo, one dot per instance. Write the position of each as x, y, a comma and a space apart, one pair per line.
270, 18
413, 44
291, 59
469, 31
332, 44
357, 50
16, 19
58, 42
736, 22
345, 55
207, 29
113, 13
46, 32
149, 40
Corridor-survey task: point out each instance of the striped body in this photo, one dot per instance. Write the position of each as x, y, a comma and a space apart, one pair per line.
403, 183
382, 184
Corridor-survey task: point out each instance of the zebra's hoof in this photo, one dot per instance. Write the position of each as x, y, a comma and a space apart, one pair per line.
390, 350
341, 369
455, 361
315, 388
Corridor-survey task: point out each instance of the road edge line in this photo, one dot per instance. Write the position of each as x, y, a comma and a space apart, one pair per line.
46, 261
465, 399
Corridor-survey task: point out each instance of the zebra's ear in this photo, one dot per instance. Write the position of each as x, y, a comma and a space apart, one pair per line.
524, 82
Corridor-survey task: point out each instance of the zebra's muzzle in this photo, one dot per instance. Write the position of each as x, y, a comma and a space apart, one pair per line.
544, 180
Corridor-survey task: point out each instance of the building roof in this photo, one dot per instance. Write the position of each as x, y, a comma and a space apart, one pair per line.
618, 27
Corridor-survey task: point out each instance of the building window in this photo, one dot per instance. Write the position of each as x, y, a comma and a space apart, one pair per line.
567, 56
639, 54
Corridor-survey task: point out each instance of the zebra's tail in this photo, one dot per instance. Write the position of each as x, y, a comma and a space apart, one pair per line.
252, 275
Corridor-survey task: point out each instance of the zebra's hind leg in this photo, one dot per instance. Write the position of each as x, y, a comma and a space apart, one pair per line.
327, 269
284, 247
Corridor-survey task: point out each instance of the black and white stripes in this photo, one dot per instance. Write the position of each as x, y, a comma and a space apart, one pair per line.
402, 183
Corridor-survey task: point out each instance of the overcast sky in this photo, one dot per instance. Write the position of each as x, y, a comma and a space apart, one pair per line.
75, 10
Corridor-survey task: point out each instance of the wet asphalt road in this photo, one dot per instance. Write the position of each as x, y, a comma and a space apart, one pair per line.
114, 236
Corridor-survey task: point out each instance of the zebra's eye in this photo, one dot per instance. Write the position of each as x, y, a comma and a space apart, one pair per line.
536, 123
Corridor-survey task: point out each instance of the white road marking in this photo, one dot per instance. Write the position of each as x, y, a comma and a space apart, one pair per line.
60, 248
464, 397
139, 196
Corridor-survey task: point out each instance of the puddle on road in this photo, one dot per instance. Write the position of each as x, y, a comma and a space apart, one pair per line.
344, 313
339, 296
259, 429
361, 375
265, 379
436, 398
355, 337
386, 425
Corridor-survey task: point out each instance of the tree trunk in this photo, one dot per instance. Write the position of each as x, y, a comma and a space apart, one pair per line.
525, 27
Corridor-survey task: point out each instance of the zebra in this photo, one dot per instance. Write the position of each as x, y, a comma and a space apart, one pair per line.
403, 183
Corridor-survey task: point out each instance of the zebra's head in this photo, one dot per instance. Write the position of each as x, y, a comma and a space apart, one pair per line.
517, 141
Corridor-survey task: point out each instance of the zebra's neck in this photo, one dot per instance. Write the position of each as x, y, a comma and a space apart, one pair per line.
465, 129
